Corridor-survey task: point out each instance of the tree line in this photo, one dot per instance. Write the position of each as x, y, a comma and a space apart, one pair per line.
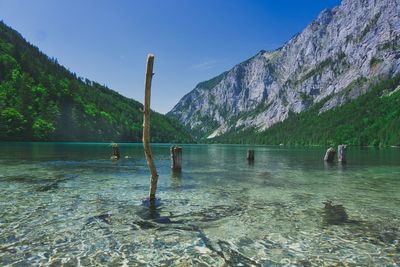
371, 119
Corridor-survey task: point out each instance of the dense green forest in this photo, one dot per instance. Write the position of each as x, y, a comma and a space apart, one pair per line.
41, 100
371, 119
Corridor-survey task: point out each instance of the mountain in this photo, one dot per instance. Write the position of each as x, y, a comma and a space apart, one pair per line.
371, 119
334, 60
41, 100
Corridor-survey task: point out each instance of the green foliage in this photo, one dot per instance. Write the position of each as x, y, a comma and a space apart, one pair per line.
306, 98
371, 119
11, 123
212, 82
369, 26
5, 47
90, 109
317, 70
392, 45
206, 127
257, 110
41, 100
375, 61
338, 64
106, 116
7, 64
15, 74
42, 129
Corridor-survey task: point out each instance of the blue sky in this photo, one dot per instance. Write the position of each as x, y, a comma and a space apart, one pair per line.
108, 41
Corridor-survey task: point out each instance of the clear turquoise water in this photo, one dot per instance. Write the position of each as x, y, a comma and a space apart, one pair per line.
67, 203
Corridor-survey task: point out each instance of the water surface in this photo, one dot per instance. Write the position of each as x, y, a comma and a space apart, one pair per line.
67, 203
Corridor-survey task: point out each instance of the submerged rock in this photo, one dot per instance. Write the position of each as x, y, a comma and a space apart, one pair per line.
102, 218
215, 213
389, 236
334, 214
233, 257
145, 225
48, 187
23, 178
53, 183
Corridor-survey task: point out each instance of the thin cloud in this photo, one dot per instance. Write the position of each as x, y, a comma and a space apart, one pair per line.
206, 65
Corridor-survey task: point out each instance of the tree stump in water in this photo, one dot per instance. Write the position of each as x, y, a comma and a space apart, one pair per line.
115, 152
342, 153
250, 155
176, 158
330, 155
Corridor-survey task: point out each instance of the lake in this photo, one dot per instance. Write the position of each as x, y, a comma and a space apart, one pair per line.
68, 203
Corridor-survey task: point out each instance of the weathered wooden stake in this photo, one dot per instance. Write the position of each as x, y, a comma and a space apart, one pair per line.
176, 158
115, 152
330, 155
342, 153
250, 155
146, 128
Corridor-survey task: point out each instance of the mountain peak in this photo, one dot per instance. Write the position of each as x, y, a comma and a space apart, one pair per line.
357, 40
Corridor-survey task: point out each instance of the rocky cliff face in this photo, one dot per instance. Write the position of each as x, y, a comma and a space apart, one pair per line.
332, 58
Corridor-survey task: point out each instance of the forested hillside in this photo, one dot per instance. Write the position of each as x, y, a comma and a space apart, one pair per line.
371, 119
41, 100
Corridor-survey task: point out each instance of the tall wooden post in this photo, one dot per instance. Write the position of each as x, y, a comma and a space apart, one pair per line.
146, 128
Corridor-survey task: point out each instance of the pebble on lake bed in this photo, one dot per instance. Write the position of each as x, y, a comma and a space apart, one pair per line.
203, 250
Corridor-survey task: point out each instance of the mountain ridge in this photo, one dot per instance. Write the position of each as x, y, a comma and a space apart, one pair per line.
357, 40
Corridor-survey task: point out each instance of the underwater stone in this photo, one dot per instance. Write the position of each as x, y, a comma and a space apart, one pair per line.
334, 214
104, 218
389, 236
233, 257
48, 187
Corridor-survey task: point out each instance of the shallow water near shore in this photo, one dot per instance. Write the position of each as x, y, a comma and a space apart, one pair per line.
67, 203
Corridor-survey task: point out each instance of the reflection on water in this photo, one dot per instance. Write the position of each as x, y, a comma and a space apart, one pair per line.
69, 204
